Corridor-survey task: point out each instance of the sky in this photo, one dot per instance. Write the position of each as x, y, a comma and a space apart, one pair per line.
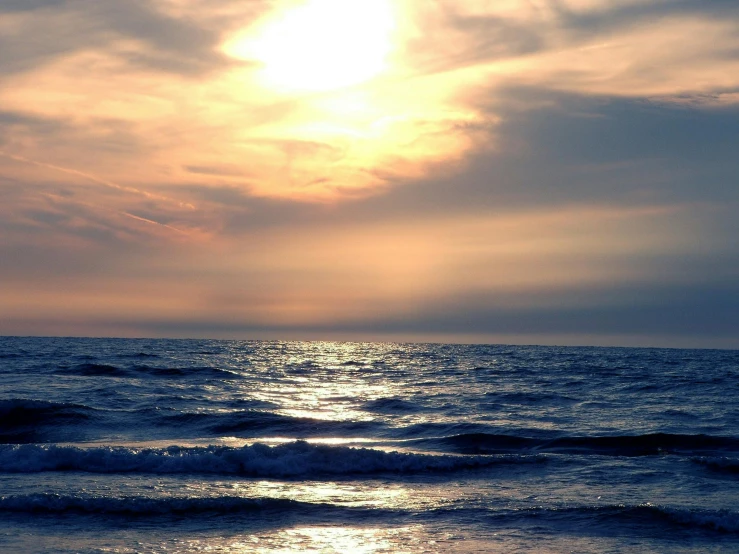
524, 172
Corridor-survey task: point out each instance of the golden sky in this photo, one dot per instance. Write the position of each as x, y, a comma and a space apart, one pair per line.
557, 171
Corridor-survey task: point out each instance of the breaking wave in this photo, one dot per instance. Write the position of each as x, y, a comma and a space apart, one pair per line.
297, 459
23, 420
137, 505
721, 464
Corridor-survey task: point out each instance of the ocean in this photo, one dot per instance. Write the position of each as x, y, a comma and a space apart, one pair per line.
118, 445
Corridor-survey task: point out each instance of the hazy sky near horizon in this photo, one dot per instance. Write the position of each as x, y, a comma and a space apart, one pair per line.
528, 171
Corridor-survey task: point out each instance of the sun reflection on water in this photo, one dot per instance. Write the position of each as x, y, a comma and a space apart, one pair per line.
338, 539
319, 538
330, 385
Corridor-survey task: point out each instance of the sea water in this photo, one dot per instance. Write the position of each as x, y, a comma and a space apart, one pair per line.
113, 445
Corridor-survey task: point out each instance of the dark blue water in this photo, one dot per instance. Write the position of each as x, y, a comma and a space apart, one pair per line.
228, 446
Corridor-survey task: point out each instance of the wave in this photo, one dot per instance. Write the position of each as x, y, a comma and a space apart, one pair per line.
621, 445
12, 355
644, 445
297, 459
477, 443
137, 505
720, 464
23, 410
430, 433
141, 370
716, 520
529, 398
725, 521
23, 420
722, 521
204, 371
139, 355
250, 421
96, 370
390, 405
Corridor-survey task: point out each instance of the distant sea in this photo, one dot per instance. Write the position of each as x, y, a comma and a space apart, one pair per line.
115, 445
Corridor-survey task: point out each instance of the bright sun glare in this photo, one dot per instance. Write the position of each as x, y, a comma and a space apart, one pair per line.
320, 45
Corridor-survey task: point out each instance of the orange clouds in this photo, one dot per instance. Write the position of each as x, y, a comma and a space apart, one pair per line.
322, 164
140, 109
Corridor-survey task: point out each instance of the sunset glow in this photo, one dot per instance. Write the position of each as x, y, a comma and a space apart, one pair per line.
322, 168
369, 276
320, 45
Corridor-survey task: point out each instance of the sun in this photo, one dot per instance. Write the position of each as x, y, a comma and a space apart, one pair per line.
320, 45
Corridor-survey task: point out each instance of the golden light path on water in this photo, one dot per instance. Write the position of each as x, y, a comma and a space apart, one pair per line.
343, 540
330, 391
335, 382
406, 540
327, 387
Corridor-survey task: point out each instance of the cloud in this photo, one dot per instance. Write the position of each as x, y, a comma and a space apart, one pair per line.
544, 169
143, 92
142, 34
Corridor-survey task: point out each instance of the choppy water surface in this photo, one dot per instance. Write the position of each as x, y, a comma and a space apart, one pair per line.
228, 446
